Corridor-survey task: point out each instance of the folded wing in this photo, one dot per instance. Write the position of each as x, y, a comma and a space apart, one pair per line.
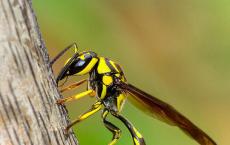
166, 113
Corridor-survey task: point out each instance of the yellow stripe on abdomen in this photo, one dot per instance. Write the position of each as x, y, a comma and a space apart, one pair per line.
120, 101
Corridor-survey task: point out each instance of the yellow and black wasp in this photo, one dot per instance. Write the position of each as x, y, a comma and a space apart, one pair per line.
108, 84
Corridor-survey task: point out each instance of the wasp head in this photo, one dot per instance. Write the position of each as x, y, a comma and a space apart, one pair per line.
80, 64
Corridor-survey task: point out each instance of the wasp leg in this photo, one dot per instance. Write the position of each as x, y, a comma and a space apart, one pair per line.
74, 85
95, 107
76, 97
137, 137
115, 130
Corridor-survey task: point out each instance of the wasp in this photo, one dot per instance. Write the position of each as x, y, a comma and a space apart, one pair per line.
108, 84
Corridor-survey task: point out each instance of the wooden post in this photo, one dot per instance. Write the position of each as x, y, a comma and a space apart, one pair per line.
28, 92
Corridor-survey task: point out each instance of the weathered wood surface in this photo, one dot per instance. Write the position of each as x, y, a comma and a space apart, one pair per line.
28, 113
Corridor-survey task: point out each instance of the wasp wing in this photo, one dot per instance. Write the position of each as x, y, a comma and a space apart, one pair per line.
166, 113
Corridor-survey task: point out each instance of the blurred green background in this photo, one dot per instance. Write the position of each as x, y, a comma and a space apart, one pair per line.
177, 50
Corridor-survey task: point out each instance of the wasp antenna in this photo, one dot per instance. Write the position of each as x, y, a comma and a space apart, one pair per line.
73, 45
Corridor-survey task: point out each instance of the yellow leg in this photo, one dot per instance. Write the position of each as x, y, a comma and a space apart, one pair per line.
72, 86
76, 97
95, 107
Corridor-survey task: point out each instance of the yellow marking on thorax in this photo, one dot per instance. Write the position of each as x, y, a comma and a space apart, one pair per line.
102, 66
123, 78
103, 92
107, 80
113, 64
118, 75
88, 67
120, 101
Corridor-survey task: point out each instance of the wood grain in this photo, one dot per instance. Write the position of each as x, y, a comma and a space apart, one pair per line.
28, 113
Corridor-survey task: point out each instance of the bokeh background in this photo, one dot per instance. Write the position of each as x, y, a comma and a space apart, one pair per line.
176, 50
